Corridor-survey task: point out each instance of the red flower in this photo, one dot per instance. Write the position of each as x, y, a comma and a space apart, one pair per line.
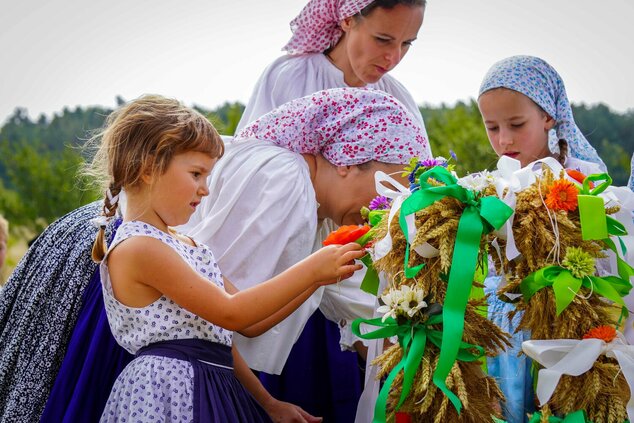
346, 234
578, 176
606, 333
562, 195
402, 417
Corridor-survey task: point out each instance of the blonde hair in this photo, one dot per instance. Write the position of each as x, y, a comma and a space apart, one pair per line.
140, 137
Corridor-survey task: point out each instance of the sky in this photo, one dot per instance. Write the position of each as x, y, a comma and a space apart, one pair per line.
68, 53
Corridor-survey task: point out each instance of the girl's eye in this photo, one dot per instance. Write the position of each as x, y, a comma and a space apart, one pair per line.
408, 43
517, 125
382, 40
196, 174
492, 128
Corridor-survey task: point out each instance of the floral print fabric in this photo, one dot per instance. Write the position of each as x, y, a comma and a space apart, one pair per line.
348, 126
316, 28
136, 327
540, 82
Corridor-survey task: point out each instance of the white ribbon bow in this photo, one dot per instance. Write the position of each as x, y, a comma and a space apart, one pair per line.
384, 246
574, 357
516, 178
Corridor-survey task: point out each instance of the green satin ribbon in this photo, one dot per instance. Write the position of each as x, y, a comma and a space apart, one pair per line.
370, 282
624, 269
578, 416
412, 338
595, 224
592, 208
566, 286
480, 216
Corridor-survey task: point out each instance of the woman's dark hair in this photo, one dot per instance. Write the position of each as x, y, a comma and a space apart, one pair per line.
389, 4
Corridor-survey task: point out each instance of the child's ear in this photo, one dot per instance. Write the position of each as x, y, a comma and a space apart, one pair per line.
549, 123
147, 176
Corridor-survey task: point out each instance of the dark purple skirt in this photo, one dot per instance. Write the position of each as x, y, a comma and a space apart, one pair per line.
318, 376
91, 365
218, 395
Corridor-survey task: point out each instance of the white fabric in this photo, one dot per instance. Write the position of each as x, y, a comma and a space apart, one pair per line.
585, 167
291, 77
259, 219
575, 357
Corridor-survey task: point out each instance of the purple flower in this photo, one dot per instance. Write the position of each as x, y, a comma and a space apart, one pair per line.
380, 203
453, 155
430, 163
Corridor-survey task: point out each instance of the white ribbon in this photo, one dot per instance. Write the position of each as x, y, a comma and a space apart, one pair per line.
112, 198
516, 178
384, 246
574, 357
99, 222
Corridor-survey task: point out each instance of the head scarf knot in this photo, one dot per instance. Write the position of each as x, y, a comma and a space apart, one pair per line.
316, 28
348, 126
540, 82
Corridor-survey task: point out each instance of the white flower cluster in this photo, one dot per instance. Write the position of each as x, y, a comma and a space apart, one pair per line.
477, 181
403, 301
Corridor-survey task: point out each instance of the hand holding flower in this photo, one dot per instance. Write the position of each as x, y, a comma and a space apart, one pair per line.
334, 263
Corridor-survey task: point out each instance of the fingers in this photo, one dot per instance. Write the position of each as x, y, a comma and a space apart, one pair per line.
345, 272
353, 255
308, 417
351, 251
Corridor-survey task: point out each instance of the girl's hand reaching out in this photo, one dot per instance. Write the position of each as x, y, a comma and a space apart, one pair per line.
335, 263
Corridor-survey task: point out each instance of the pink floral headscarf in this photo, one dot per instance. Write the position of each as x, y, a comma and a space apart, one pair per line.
316, 28
348, 126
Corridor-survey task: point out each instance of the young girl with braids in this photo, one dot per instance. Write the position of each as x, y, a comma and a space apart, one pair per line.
166, 299
528, 117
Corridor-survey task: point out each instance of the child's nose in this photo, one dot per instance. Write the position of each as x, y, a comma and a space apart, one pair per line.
505, 137
203, 190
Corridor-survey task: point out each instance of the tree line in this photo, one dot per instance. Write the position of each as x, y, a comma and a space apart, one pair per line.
40, 159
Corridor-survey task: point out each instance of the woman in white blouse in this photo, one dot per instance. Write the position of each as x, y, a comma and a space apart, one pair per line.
340, 43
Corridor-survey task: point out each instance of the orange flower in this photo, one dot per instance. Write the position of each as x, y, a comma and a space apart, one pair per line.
562, 195
346, 234
606, 333
578, 176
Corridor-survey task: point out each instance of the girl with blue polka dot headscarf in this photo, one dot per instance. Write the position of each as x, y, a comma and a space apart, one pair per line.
537, 80
528, 117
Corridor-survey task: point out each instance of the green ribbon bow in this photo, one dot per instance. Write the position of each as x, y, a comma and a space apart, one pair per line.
412, 338
595, 224
578, 416
566, 286
480, 216
592, 208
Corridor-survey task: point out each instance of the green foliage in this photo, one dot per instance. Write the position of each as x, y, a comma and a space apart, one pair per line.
459, 128
612, 134
225, 118
45, 186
